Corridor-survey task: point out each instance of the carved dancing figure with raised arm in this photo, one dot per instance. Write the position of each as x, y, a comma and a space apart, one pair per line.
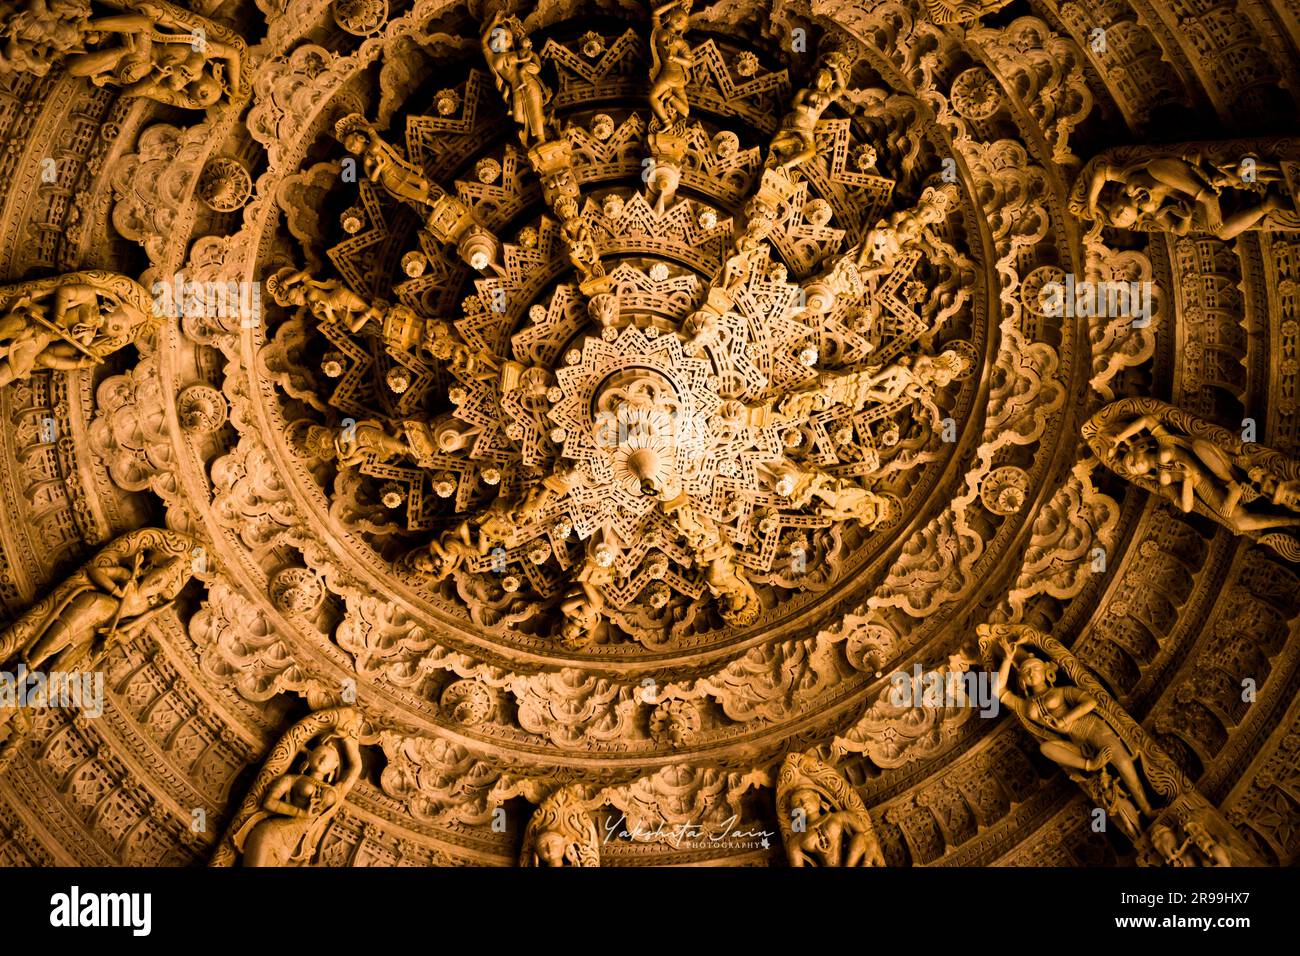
670, 62
796, 141
1074, 734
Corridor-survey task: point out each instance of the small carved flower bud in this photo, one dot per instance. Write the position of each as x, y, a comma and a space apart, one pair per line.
333, 364
353, 220
446, 102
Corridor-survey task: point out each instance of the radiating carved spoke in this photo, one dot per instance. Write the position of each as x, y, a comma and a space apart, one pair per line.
517, 69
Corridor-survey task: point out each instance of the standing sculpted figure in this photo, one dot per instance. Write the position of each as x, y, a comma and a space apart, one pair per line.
472, 537
910, 376
328, 299
442, 343
584, 605
383, 164
917, 378
914, 377
738, 601
356, 444
840, 499
1082, 739
670, 62
447, 552
882, 246
300, 789
517, 70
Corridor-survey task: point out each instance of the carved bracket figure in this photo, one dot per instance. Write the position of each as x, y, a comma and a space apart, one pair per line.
155, 50
1100, 747
1248, 488
823, 820
561, 832
1080, 726
1219, 188
299, 790
68, 322
108, 600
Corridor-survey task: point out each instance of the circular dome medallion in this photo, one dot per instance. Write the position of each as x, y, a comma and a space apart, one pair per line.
638, 418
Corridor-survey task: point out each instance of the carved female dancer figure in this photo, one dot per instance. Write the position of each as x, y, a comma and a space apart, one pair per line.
1077, 736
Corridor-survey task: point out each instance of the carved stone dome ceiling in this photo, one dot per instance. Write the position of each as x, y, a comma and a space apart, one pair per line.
526, 424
